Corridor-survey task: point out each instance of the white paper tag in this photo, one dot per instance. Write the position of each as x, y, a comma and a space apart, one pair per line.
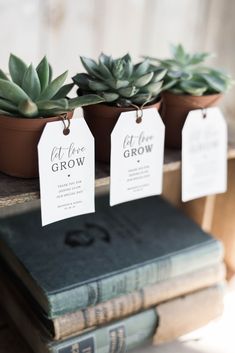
66, 171
204, 154
137, 151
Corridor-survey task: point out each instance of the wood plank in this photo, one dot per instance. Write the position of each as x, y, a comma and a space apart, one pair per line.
223, 225
16, 191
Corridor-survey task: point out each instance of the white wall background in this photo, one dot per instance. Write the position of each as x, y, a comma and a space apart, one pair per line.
65, 29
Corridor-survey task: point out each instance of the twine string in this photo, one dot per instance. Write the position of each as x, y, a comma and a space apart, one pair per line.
64, 118
203, 108
139, 111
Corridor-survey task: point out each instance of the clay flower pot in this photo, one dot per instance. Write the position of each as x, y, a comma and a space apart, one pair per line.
175, 109
101, 119
19, 138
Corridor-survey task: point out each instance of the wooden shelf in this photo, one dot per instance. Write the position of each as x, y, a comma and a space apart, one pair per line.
16, 191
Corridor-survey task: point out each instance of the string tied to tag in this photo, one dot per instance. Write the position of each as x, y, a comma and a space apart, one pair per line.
203, 108
65, 121
139, 111
204, 113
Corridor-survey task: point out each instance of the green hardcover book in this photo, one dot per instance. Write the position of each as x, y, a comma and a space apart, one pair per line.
90, 259
116, 338
166, 322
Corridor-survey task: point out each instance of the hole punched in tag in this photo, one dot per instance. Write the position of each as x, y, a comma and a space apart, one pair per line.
139, 115
204, 113
66, 129
139, 111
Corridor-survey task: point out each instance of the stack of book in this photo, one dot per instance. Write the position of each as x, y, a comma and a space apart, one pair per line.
109, 281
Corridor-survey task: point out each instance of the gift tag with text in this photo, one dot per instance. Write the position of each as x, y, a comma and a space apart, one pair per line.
204, 154
66, 170
137, 149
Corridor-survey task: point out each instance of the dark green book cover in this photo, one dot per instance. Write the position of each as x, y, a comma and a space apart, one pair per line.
93, 258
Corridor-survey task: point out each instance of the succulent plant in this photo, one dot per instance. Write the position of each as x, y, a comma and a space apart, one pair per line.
119, 81
187, 75
31, 92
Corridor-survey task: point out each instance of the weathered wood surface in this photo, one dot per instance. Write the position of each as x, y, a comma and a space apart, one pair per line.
16, 191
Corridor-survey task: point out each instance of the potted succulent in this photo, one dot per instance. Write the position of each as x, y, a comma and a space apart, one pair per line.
30, 98
188, 85
124, 86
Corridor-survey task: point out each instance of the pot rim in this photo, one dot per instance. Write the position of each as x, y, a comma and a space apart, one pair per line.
10, 122
105, 105
192, 96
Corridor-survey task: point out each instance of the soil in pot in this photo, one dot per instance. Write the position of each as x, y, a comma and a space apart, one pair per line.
19, 138
101, 119
174, 111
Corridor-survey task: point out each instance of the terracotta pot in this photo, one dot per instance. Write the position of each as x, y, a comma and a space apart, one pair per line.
175, 109
101, 119
19, 138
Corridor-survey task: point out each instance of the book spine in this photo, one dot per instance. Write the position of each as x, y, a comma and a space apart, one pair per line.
117, 338
181, 315
132, 303
135, 279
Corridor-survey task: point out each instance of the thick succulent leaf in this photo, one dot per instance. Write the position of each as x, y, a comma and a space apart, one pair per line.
104, 70
88, 99
52, 112
59, 104
141, 98
121, 84
53, 87
110, 97
169, 63
177, 90
12, 92
82, 80
199, 58
123, 102
43, 73
116, 84
31, 84
128, 69
28, 108
126, 57
186, 75
174, 74
144, 80
118, 68
50, 73
141, 68
128, 92
167, 85
106, 60
154, 88
178, 53
3, 75
215, 82
91, 67
17, 68
97, 86
8, 106
159, 75
193, 88
63, 91
4, 112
